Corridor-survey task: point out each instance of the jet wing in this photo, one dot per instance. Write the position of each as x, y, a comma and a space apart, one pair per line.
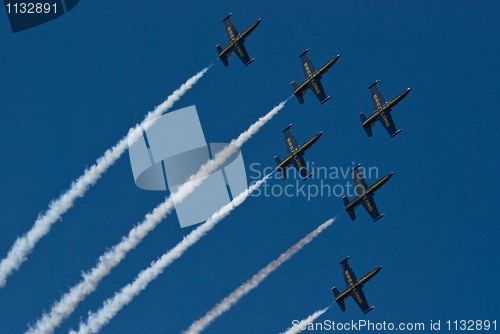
241, 52
369, 205
318, 90
299, 163
377, 98
349, 276
297, 158
307, 65
387, 122
322, 71
249, 31
360, 186
304, 148
291, 143
231, 31
360, 299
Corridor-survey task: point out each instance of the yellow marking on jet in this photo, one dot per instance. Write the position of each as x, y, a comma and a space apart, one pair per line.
228, 47
371, 119
346, 292
230, 33
376, 101
321, 69
288, 158
297, 161
284, 162
307, 69
368, 203
372, 187
301, 86
354, 203
352, 288
358, 297
307, 143
243, 34
386, 121
315, 86
239, 50
364, 279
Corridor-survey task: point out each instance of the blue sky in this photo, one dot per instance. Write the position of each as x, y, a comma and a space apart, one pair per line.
73, 87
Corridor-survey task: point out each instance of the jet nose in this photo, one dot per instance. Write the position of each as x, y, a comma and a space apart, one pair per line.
409, 89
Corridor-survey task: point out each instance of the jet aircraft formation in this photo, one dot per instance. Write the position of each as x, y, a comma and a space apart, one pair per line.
364, 194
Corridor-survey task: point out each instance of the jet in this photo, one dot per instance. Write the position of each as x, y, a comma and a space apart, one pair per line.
382, 111
235, 42
354, 287
295, 154
364, 195
313, 79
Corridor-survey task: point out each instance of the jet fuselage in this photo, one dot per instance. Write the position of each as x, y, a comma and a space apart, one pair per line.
357, 201
300, 149
310, 81
353, 285
380, 113
233, 46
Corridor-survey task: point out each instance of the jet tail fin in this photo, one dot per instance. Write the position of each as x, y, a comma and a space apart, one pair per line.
350, 212
362, 117
281, 169
300, 96
283, 173
339, 302
224, 61
352, 215
368, 129
341, 305
224, 58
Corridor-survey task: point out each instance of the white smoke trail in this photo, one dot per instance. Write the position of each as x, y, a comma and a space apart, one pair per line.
24, 245
112, 305
252, 283
303, 324
112, 258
